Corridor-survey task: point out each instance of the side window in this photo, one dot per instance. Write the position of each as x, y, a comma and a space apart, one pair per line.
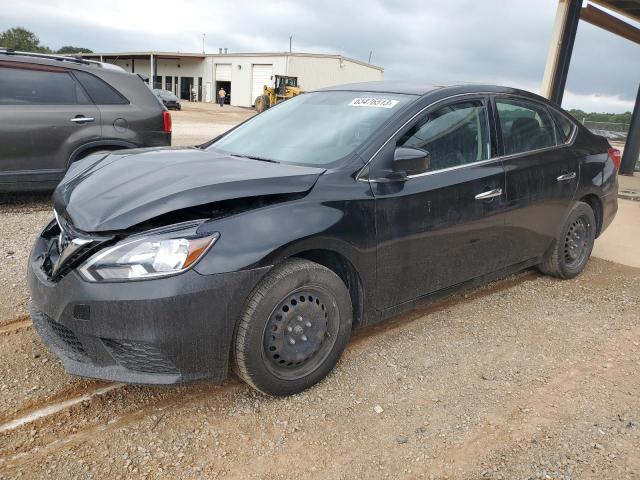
37, 86
100, 92
525, 126
454, 135
565, 126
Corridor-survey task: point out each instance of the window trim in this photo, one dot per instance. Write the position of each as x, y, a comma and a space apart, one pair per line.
77, 79
361, 176
47, 69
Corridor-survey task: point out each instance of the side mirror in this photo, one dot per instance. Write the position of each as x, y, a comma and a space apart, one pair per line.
411, 161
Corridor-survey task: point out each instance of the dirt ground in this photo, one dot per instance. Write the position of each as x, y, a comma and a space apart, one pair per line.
527, 378
199, 122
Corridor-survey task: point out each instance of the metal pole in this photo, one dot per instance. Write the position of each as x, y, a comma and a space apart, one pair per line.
290, 41
560, 50
632, 147
370, 53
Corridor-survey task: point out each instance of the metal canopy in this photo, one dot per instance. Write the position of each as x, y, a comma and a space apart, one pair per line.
628, 8
563, 37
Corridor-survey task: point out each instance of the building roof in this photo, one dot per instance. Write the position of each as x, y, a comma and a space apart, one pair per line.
220, 55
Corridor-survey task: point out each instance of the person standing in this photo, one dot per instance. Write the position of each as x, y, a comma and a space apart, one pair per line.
222, 94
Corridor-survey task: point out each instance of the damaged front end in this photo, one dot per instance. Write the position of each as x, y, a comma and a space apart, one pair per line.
65, 248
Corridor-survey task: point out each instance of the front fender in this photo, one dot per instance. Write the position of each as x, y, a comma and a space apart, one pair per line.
265, 236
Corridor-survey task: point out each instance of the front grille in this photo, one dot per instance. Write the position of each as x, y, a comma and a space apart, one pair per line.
59, 336
66, 248
139, 356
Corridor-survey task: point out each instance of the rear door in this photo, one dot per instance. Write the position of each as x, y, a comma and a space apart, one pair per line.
445, 226
44, 116
121, 120
542, 173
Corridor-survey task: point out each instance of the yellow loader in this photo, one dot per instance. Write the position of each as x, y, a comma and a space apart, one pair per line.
285, 88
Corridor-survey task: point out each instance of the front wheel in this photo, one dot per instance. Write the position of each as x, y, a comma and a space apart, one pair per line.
571, 249
293, 329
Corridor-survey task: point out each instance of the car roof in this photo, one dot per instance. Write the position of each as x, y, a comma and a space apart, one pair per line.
49, 59
418, 89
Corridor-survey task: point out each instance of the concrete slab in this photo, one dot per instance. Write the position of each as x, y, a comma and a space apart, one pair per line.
621, 241
629, 187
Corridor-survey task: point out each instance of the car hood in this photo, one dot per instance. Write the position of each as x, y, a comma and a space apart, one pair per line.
109, 192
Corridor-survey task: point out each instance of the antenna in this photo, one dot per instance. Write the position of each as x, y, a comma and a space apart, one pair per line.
370, 53
290, 41
203, 35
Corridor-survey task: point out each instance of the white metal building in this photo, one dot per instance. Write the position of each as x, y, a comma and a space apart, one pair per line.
242, 75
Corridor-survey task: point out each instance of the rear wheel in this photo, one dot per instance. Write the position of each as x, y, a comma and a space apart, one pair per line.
571, 250
293, 329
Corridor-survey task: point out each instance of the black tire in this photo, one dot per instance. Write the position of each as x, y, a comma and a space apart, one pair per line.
571, 249
297, 301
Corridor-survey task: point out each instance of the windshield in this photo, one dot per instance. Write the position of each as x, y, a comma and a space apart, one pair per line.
314, 128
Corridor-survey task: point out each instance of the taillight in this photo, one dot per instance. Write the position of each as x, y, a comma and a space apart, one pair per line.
166, 118
615, 156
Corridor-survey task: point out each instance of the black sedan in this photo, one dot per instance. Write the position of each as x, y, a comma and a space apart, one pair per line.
263, 248
168, 99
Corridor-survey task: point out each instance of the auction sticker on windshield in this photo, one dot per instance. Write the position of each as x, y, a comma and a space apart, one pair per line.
373, 102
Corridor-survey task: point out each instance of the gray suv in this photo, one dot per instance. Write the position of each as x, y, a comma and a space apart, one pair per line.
55, 110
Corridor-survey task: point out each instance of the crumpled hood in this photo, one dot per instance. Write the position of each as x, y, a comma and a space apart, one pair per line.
107, 192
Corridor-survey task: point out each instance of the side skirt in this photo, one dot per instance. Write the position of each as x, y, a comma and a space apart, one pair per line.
460, 287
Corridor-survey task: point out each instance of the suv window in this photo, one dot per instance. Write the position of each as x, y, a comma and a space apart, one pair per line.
100, 92
454, 135
525, 126
37, 86
565, 126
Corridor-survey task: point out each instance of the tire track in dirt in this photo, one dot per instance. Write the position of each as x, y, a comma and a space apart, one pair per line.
62, 396
16, 325
56, 439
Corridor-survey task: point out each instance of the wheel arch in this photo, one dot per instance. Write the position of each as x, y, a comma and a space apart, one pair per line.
97, 145
595, 203
343, 268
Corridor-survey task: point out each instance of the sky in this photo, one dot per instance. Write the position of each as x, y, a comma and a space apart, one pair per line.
427, 41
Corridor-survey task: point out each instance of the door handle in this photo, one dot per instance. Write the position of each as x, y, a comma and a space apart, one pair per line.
82, 119
489, 194
566, 176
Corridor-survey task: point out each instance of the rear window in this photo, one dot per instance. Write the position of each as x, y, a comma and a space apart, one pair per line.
25, 86
565, 126
525, 126
100, 92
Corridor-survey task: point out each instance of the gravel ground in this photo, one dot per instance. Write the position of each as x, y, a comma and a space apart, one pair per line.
527, 378
530, 377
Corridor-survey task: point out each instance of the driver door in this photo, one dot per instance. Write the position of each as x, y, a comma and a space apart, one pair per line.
444, 226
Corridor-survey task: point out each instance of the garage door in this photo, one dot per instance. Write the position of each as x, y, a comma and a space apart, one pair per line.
261, 76
223, 72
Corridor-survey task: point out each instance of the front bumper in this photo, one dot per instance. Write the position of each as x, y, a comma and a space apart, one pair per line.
161, 331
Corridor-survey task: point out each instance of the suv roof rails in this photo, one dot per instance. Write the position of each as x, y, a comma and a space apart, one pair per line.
60, 58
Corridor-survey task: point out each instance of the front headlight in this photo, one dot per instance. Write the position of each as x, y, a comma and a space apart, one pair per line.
146, 257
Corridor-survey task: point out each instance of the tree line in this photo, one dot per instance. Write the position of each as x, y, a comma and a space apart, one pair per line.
601, 117
23, 40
